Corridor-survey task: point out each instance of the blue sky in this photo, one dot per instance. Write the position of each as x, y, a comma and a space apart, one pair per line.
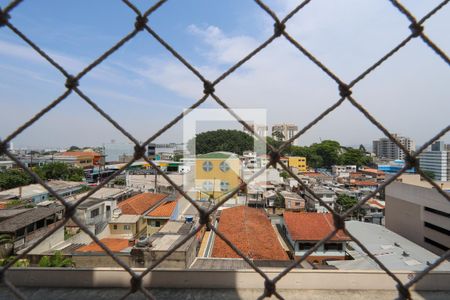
142, 86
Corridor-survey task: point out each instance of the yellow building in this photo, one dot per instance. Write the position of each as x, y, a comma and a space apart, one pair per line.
298, 163
216, 174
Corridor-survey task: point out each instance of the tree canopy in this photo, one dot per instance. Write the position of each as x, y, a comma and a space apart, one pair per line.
13, 178
318, 155
221, 140
60, 170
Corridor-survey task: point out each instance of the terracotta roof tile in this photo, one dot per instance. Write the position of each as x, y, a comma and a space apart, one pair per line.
251, 232
116, 245
365, 183
165, 210
79, 153
305, 226
139, 204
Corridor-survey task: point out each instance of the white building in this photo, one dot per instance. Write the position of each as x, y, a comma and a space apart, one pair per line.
385, 148
287, 131
260, 130
343, 171
436, 161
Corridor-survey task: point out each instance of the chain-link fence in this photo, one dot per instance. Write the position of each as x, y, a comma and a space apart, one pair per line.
344, 90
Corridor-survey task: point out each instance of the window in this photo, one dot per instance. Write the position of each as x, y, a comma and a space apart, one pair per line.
305, 246
208, 185
224, 186
437, 228
20, 232
126, 227
95, 212
40, 224
30, 228
157, 223
224, 167
333, 247
207, 166
115, 227
438, 212
436, 244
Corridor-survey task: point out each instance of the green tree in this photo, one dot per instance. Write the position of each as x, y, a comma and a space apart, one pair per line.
329, 151
60, 170
284, 175
279, 201
221, 140
346, 202
119, 181
13, 178
74, 148
57, 260
355, 157
6, 245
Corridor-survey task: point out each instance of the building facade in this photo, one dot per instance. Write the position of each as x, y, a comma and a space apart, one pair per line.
385, 148
216, 174
418, 212
260, 130
437, 161
297, 163
284, 131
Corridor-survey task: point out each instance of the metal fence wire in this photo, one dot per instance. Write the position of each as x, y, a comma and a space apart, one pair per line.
280, 31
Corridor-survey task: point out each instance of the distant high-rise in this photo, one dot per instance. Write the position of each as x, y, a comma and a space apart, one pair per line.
385, 148
284, 132
260, 130
436, 161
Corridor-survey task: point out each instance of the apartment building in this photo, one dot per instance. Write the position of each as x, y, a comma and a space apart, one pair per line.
304, 230
415, 210
260, 130
385, 148
216, 174
437, 161
297, 164
284, 131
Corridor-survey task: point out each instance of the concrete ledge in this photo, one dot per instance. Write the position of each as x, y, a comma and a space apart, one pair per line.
213, 279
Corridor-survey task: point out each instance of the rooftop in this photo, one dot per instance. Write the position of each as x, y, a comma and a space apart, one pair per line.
139, 204
218, 155
125, 219
28, 217
32, 190
104, 193
164, 210
116, 245
393, 250
250, 230
305, 226
79, 153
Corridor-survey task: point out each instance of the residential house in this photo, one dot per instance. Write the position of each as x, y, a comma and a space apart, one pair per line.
255, 237
128, 219
304, 230
326, 195
293, 201
374, 211
343, 171
160, 215
26, 226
